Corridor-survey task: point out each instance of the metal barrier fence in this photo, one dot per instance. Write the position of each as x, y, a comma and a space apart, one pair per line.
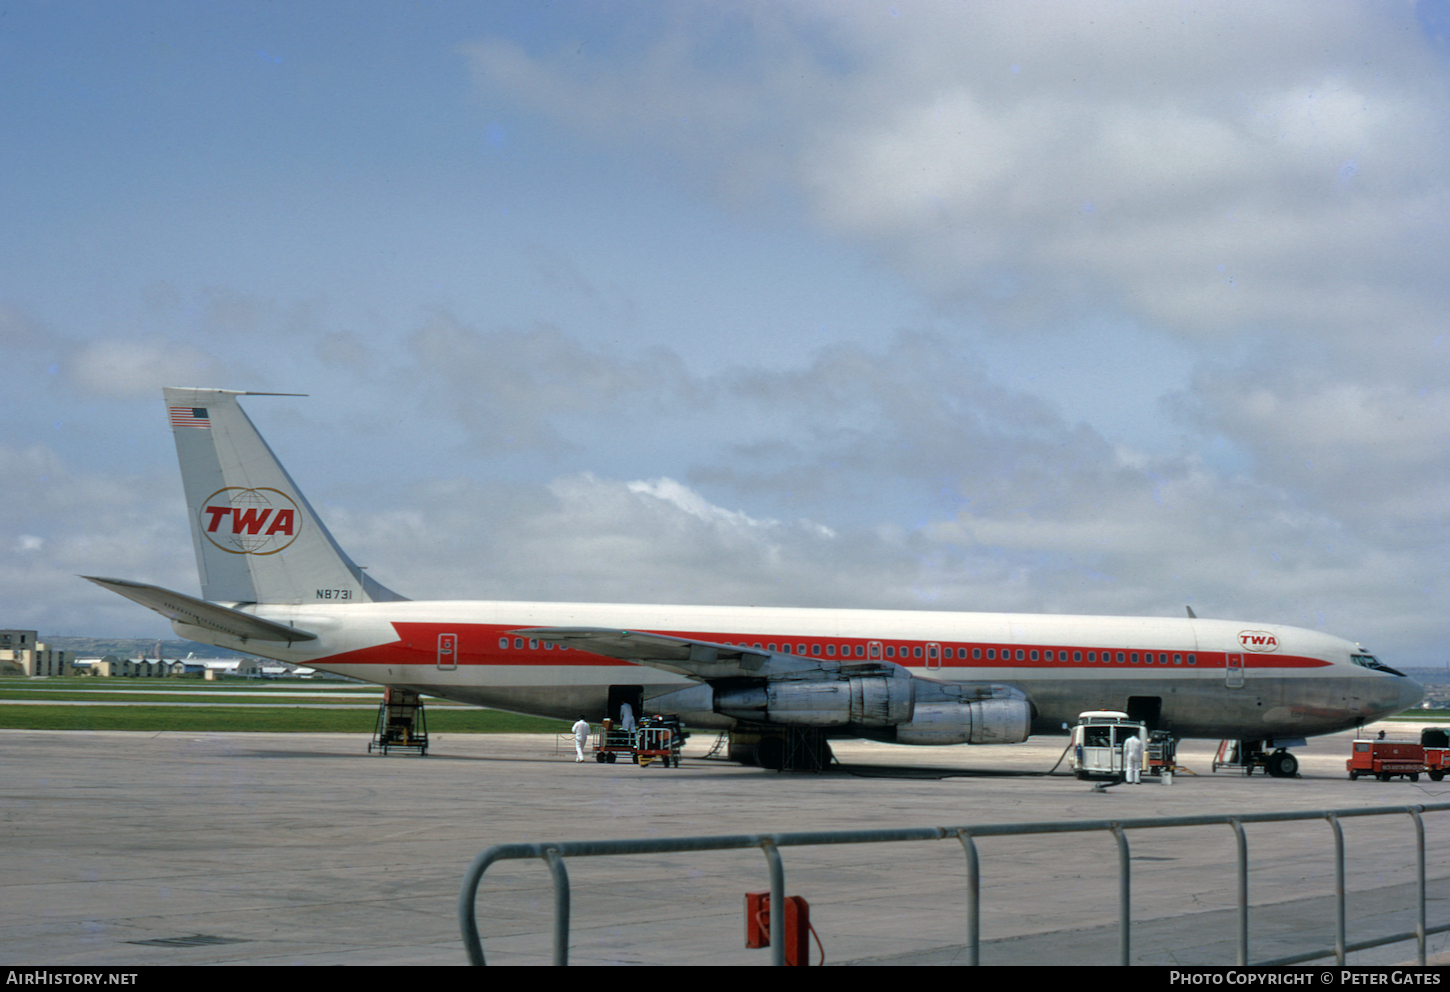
554, 854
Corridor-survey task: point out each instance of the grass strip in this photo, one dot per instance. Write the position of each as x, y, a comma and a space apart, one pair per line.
164, 698
473, 720
97, 683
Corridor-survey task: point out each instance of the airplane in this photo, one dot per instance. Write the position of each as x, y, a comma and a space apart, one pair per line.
780, 681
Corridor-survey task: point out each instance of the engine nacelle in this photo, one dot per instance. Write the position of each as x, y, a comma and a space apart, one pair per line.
986, 721
900, 710
866, 702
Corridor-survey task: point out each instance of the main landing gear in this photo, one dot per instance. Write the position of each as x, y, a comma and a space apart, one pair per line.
788, 749
1249, 755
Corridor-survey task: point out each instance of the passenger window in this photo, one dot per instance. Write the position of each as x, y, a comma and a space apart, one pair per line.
503, 642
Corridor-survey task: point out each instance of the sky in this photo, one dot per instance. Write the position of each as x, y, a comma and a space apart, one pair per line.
1061, 307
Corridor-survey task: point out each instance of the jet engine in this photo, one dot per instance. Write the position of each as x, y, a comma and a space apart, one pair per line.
899, 709
864, 701
986, 721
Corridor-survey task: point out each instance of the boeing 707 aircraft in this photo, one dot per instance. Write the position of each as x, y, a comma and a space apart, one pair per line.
275, 583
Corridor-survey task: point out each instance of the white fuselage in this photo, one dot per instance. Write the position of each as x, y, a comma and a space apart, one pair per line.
1203, 678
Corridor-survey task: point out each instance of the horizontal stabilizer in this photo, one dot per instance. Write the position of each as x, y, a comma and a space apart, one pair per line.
199, 613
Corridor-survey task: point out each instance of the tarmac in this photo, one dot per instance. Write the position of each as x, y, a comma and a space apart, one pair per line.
265, 849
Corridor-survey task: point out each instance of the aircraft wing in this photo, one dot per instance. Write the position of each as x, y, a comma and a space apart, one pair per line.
199, 613
703, 660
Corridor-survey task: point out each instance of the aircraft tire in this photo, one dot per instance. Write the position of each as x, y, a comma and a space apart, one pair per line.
1282, 764
770, 753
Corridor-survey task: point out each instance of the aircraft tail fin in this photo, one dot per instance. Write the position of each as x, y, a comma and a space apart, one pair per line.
257, 538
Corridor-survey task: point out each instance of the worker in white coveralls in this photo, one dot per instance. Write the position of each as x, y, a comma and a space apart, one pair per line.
1133, 759
581, 737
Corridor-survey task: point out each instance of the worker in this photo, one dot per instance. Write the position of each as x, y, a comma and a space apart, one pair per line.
1133, 759
626, 718
581, 737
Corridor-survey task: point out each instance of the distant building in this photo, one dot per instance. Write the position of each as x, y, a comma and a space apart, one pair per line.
247, 667
21, 654
111, 666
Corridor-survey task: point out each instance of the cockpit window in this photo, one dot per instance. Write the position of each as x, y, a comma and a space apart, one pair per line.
1370, 661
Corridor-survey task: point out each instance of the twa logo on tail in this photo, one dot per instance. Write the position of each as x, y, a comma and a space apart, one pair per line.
1258, 640
244, 521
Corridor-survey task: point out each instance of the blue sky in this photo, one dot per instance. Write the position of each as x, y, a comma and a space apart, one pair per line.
1064, 307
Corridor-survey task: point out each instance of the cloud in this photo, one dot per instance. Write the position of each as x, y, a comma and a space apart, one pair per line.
63, 523
1208, 168
1261, 184
121, 369
510, 388
19, 329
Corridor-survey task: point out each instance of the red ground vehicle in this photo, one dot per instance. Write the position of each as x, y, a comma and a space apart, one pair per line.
1386, 759
1436, 743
